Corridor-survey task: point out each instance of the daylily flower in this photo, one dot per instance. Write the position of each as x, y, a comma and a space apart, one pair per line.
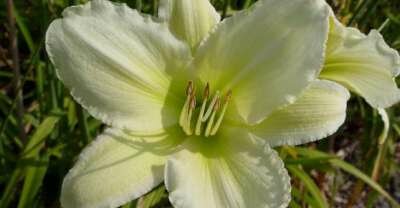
192, 101
365, 64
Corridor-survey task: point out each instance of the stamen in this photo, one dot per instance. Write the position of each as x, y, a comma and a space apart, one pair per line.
190, 93
210, 112
221, 115
211, 106
187, 128
202, 109
211, 121
184, 111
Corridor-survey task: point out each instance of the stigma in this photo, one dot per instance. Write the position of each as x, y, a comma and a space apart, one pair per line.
203, 118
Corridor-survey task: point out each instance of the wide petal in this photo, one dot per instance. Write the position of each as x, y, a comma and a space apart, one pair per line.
116, 168
318, 113
190, 20
364, 64
266, 55
233, 170
117, 63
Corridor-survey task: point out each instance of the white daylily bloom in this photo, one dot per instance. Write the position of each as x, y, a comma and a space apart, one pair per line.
365, 64
194, 101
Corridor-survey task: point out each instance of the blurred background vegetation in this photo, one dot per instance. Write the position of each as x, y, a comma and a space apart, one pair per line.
42, 129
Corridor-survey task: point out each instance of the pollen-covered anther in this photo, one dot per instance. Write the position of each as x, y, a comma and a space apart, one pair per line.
206, 91
210, 112
189, 88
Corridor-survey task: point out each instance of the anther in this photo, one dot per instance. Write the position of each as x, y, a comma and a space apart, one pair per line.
217, 105
189, 88
206, 91
228, 96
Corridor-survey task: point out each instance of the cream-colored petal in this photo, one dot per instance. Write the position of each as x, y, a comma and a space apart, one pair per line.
116, 168
318, 113
190, 20
267, 55
364, 64
233, 170
117, 63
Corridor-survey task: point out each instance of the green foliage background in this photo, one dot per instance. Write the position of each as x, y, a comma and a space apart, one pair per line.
334, 172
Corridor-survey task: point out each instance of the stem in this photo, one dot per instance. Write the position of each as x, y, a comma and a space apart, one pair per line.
16, 68
378, 162
382, 141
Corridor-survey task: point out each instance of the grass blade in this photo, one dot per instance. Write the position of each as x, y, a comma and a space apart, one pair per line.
309, 184
10, 188
24, 30
36, 142
152, 199
34, 175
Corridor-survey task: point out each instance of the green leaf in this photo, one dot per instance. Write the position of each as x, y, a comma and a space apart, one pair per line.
301, 197
309, 184
36, 166
24, 30
131, 204
34, 175
36, 141
294, 204
152, 199
9, 190
308, 161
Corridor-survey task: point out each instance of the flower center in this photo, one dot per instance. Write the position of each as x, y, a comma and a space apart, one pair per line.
210, 112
